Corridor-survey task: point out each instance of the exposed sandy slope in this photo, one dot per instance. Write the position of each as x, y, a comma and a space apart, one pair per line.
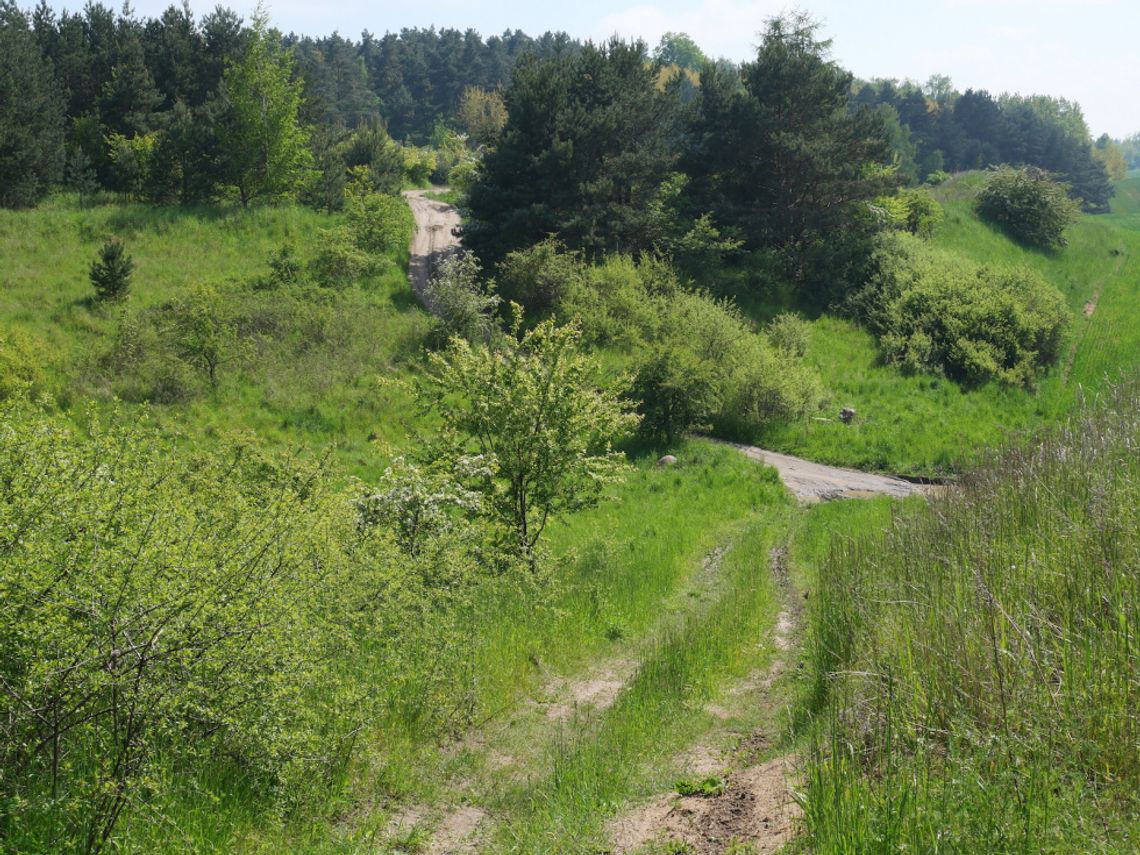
434, 236
814, 482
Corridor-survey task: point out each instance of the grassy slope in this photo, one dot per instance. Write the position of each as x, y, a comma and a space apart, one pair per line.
292, 394
619, 562
924, 425
628, 565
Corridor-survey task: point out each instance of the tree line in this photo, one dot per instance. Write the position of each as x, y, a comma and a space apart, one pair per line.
91, 98
935, 128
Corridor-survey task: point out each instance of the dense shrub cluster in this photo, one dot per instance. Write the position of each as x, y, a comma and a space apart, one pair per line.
21, 363
193, 610
462, 304
1028, 205
934, 312
912, 210
177, 624
698, 364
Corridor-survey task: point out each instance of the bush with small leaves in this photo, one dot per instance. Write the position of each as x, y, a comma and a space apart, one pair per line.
378, 223
339, 262
111, 272
164, 613
537, 278
789, 333
462, 303
1028, 205
21, 363
535, 409
934, 312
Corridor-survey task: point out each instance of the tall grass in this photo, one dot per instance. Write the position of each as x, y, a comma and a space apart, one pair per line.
979, 659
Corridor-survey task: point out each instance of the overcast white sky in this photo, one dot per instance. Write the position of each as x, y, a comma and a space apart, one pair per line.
1083, 50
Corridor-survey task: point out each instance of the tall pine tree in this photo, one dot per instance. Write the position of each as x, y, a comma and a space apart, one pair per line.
31, 114
589, 138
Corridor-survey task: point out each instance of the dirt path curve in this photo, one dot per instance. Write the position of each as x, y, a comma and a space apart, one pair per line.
814, 482
810, 482
434, 236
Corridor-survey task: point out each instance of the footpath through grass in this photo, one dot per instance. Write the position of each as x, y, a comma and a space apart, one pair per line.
471, 670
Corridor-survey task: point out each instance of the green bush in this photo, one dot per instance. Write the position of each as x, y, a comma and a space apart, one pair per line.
339, 261
378, 223
160, 613
1028, 205
911, 209
537, 278
699, 365
923, 213
677, 392
284, 268
935, 312
616, 301
21, 363
461, 303
789, 333
713, 372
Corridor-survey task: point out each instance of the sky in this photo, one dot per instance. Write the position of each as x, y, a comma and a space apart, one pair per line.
1083, 50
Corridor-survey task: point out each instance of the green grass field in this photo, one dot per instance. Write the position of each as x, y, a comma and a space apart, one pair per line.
666, 589
314, 361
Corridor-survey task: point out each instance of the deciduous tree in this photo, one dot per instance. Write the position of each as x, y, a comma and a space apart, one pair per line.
532, 405
267, 149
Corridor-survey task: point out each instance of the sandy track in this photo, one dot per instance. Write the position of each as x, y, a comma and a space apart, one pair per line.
433, 239
814, 482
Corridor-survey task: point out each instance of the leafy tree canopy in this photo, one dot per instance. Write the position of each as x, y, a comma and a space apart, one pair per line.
679, 49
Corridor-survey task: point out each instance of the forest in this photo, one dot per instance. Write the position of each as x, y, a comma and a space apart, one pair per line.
752, 469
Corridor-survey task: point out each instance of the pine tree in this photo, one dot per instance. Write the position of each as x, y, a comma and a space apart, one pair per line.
783, 160
588, 140
31, 115
111, 271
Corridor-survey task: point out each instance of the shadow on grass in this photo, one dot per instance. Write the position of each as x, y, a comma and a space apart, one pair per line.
135, 219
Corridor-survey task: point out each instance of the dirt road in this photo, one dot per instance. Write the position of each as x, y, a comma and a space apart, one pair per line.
810, 482
814, 482
434, 236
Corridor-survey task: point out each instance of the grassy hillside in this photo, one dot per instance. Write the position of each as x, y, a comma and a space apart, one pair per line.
925, 425
542, 705
306, 361
639, 582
